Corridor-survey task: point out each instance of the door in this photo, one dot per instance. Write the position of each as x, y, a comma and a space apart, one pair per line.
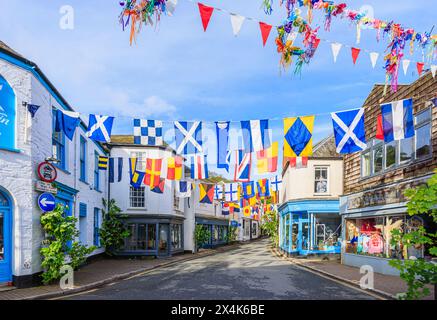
5, 240
304, 236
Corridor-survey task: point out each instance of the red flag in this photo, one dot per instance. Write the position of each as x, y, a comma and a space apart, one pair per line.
379, 130
355, 54
265, 31
153, 172
298, 162
205, 14
316, 43
420, 66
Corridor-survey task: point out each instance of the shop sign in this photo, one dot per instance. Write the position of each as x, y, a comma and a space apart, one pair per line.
47, 172
384, 196
45, 187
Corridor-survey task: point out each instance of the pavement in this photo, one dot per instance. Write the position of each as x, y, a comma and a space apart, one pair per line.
246, 272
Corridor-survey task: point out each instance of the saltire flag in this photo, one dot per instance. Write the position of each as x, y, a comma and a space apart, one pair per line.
218, 192
397, 120
225, 209
188, 137
298, 162
103, 163
199, 167
153, 172
206, 193
66, 122
298, 136
267, 160
263, 188
113, 169
248, 190
349, 132
276, 183
183, 189
136, 177
99, 128
223, 154
243, 166
174, 168
159, 188
148, 132
232, 192
256, 135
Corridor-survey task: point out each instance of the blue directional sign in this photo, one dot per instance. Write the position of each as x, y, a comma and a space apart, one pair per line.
47, 202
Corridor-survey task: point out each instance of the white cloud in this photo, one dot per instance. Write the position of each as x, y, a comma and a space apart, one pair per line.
157, 106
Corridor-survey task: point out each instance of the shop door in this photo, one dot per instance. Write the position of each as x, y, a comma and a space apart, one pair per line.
304, 236
5, 240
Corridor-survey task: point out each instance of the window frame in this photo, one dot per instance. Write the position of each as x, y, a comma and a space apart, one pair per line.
96, 227
321, 167
83, 162
96, 171
420, 125
58, 142
137, 197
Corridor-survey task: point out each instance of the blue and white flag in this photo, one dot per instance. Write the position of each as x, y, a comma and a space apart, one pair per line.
67, 122
115, 170
397, 120
349, 132
188, 137
231, 192
223, 154
256, 135
199, 167
148, 132
183, 189
243, 166
218, 192
99, 128
276, 183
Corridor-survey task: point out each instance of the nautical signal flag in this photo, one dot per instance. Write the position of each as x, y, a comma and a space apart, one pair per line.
115, 171
225, 209
267, 159
248, 190
263, 188
199, 167
206, 193
188, 137
174, 168
379, 129
148, 132
247, 211
256, 135
298, 162
298, 136
276, 183
397, 120
153, 172
223, 153
183, 189
103, 163
218, 191
243, 166
159, 188
232, 192
349, 132
99, 128
136, 177
67, 122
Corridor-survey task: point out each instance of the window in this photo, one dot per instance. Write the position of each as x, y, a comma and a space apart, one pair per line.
321, 180
141, 160
82, 161
137, 197
175, 200
58, 144
423, 134
176, 236
7, 115
96, 239
96, 172
379, 156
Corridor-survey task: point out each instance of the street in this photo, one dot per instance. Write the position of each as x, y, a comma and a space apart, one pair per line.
250, 272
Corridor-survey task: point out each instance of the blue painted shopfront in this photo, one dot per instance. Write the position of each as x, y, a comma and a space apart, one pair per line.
218, 229
5, 238
310, 227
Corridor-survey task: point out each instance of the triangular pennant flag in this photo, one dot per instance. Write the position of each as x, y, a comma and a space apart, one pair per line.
237, 22
170, 6
355, 54
433, 70
205, 14
336, 47
374, 58
265, 31
405, 65
420, 66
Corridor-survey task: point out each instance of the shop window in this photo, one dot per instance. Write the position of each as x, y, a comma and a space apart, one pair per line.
365, 164
141, 160
176, 200
390, 154
176, 236
58, 144
96, 240
321, 180
96, 172
131, 241
163, 238
137, 197
378, 158
7, 115
423, 134
327, 231
151, 237
82, 159
406, 150
141, 237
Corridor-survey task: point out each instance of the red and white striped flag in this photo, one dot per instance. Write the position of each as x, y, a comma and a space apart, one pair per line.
299, 162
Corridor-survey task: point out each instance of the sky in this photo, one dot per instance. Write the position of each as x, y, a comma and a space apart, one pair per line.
176, 71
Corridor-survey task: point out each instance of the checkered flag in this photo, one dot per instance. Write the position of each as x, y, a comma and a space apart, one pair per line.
148, 132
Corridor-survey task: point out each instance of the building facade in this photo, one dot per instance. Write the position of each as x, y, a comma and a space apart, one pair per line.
309, 220
375, 179
26, 142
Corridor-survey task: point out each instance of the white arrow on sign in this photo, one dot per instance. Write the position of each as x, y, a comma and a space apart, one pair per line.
45, 202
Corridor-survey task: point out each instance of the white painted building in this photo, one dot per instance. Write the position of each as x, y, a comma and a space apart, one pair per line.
24, 143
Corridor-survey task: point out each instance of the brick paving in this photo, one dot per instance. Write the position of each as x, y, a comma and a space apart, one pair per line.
104, 271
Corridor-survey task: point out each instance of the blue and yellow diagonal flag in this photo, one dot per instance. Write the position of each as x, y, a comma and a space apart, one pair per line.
136, 177
103, 163
298, 136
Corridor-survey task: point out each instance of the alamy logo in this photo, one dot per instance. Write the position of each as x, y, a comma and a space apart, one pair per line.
67, 19
3, 116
